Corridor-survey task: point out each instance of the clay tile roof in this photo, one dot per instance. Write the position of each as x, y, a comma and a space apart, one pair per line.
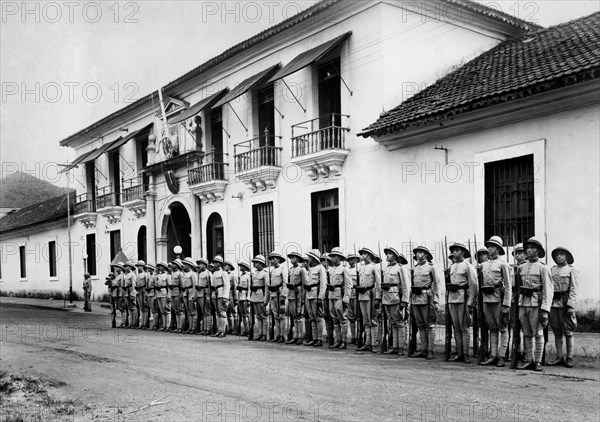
537, 62
43, 212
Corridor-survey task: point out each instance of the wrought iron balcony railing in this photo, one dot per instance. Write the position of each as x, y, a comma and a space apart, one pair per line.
134, 189
107, 197
84, 203
261, 152
212, 167
320, 134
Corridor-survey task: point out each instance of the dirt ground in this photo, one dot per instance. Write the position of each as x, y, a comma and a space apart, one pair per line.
94, 373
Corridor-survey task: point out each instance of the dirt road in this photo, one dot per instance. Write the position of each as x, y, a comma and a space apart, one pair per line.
132, 375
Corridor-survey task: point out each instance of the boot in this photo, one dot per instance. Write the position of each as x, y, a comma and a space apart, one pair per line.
500, 363
458, 358
466, 359
395, 342
178, 318
423, 339
430, 343
230, 325
367, 344
429, 355
537, 367
530, 365
338, 336
493, 360
558, 361
143, 320
166, 322
123, 320
375, 342
569, 363
570, 343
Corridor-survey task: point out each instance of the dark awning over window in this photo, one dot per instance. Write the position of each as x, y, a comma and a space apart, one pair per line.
198, 107
309, 57
98, 151
248, 84
78, 160
122, 141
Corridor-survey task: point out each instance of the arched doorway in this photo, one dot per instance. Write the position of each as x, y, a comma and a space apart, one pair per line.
215, 241
141, 243
177, 228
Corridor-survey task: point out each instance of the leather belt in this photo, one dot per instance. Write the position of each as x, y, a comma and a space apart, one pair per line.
451, 287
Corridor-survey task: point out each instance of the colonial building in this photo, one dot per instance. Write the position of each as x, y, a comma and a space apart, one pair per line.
257, 148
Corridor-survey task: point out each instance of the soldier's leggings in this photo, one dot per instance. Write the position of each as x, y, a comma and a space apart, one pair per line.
339, 315
242, 310
369, 321
123, 303
315, 314
279, 329
295, 312
141, 300
221, 308
425, 325
460, 323
176, 305
530, 321
261, 318
114, 304
400, 337
493, 318
188, 306
561, 322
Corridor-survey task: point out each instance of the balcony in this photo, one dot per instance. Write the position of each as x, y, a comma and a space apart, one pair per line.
319, 145
134, 195
85, 210
258, 162
209, 180
108, 204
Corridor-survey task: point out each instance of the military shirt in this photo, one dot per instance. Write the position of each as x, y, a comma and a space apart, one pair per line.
278, 278
566, 283
162, 281
233, 293
243, 286
116, 284
464, 274
370, 277
537, 276
317, 282
426, 277
189, 281
398, 279
352, 271
299, 278
259, 279
340, 278
141, 280
220, 284
496, 274
176, 283
150, 286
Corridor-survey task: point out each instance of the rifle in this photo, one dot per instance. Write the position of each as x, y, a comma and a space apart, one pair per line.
213, 310
290, 333
412, 341
272, 311
448, 318
510, 317
475, 316
384, 321
516, 335
546, 327
251, 324
358, 313
326, 310
483, 334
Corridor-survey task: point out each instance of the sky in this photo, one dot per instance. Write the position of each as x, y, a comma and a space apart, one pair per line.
65, 65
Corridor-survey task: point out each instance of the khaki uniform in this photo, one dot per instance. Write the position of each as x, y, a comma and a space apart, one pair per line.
257, 297
496, 277
175, 291
315, 289
141, 299
220, 297
352, 311
298, 279
188, 296
424, 298
395, 297
339, 290
562, 322
243, 288
370, 279
276, 299
536, 294
232, 316
163, 280
464, 276
204, 281
150, 298
87, 294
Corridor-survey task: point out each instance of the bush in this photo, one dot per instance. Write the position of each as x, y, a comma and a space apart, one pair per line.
588, 316
41, 294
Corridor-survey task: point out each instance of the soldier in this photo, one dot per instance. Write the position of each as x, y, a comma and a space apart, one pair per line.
175, 290
483, 255
497, 294
150, 298
258, 285
232, 320
562, 314
87, 292
140, 297
298, 277
130, 279
535, 301
519, 256
163, 280
315, 294
326, 263
120, 294
242, 288
220, 295
190, 279
424, 299
370, 279
339, 288
462, 299
277, 296
113, 293
307, 324
395, 297
377, 312
203, 296
352, 311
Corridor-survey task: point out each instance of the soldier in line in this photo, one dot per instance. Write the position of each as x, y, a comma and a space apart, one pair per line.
163, 280
483, 255
315, 294
190, 279
298, 277
113, 293
243, 288
150, 298
307, 324
462, 299
220, 295
339, 288
203, 296
562, 314
277, 296
395, 297
140, 297
352, 311
232, 317
120, 294
497, 295
87, 292
370, 279
519, 256
424, 299
326, 263
257, 297
130, 280
175, 290
535, 301
377, 310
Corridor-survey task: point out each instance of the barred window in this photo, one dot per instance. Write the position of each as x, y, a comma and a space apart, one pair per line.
52, 258
262, 228
90, 250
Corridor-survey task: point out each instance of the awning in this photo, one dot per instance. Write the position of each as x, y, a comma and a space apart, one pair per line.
309, 57
78, 160
248, 84
98, 151
198, 107
122, 141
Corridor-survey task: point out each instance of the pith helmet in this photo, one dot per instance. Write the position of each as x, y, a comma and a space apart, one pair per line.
534, 242
555, 252
338, 252
218, 259
518, 248
366, 250
260, 259
466, 252
277, 256
188, 261
423, 249
496, 241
